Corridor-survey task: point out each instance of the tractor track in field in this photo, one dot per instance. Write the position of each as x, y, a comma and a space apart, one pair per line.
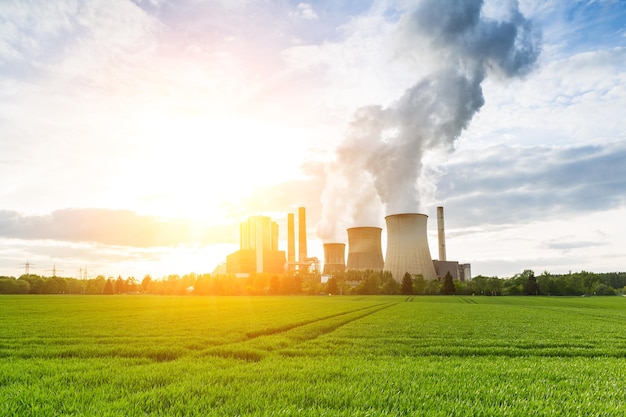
281, 329
261, 343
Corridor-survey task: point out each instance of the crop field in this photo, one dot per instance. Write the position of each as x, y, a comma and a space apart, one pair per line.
312, 356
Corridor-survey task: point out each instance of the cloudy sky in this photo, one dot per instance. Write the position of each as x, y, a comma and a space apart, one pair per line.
136, 135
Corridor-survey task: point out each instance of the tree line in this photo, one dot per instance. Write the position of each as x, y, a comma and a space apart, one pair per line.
348, 282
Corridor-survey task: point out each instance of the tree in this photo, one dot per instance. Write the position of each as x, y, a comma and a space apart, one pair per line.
371, 284
419, 285
407, 284
108, 287
332, 286
390, 287
448, 285
145, 283
530, 287
274, 285
120, 285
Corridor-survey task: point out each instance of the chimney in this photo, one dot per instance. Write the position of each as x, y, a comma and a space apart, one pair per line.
407, 246
441, 234
301, 234
291, 243
365, 249
334, 257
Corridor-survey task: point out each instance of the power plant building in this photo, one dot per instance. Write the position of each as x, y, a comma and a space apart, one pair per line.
334, 257
407, 247
258, 241
365, 249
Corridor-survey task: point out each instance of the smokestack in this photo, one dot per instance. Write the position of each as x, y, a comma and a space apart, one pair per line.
441, 234
407, 246
365, 248
291, 242
334, 257
301, 234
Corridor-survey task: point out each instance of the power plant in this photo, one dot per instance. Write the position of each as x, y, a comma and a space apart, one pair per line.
258, 253
334, 257
365, 249
407, 249
407, 246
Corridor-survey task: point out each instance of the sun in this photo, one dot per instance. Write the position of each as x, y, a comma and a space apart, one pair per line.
192, 166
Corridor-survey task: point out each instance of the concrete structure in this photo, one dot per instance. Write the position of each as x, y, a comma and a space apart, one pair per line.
258, 241
442, 267
407, 246
441, 234
465, 272
365, 249
291, 243
334, 257
302, 235
259, 233
245, 261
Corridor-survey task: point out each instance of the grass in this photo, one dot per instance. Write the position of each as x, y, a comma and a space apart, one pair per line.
335, 356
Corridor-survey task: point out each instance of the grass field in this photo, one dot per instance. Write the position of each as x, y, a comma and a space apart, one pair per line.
334, 356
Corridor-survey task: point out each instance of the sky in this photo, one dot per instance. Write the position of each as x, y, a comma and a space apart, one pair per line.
136, 135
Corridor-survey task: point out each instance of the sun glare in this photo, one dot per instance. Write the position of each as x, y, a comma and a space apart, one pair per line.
192, 166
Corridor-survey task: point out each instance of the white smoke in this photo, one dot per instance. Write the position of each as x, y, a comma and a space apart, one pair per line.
380, 159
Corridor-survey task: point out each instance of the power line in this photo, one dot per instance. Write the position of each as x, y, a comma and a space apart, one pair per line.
54, 271
27, 266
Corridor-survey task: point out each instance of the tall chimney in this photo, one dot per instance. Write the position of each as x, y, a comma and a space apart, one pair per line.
334, 257
365, 249
407, 246
441, 234
301, 234
291, 243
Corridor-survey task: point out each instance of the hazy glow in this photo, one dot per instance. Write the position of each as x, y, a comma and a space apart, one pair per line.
136, 135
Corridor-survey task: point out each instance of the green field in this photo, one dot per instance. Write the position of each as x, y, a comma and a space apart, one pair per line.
349, 356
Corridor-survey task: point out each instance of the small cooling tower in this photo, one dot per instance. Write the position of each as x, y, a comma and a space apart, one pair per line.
334, 257
407, 246
365, 249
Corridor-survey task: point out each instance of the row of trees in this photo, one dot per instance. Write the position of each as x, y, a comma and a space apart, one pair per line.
197, 284
349, 282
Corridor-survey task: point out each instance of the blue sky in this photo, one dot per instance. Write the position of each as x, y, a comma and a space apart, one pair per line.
136, 135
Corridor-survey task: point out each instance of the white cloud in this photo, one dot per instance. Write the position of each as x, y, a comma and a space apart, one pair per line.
102, 102
570, 100
305, 11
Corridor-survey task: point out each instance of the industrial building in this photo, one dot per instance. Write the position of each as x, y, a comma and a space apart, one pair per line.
258, 248
334, 257
407, 249
364, 249
258, 253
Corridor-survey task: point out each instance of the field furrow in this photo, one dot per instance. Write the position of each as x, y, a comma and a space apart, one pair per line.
312, 356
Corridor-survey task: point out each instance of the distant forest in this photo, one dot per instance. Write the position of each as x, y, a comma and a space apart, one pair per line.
350, 282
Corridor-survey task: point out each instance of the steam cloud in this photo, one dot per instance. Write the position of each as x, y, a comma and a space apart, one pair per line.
380, 159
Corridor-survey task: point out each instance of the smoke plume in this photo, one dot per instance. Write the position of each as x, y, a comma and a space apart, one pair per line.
380, 158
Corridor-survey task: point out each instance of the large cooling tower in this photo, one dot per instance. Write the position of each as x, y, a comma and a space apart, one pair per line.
334, 257
407, 246
365, 248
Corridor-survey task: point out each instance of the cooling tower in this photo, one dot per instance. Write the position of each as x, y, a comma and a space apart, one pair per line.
334, 257
407, 246
365, 249
301, 234
441, 234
